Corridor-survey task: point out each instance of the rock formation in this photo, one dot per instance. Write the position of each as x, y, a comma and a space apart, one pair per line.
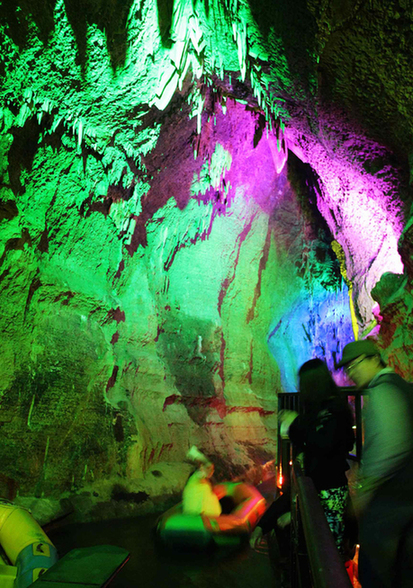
196, 197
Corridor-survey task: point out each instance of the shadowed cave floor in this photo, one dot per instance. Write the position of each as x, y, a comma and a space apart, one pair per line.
150, 566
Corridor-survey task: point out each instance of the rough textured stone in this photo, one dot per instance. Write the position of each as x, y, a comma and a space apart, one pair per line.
46, 510
176, 182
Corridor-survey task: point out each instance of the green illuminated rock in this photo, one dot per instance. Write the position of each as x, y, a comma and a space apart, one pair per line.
154, 241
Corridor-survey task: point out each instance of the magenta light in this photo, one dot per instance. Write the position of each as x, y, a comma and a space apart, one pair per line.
361, 210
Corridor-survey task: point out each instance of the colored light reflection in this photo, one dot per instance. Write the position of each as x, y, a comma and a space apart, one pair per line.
315, 326
361, 209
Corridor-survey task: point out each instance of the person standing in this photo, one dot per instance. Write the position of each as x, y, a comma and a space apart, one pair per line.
324, 434
384, 497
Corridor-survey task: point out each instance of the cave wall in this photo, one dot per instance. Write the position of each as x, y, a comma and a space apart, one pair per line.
191, 206
121, 354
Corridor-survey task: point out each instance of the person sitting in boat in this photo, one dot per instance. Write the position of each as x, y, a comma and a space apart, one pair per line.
198, 496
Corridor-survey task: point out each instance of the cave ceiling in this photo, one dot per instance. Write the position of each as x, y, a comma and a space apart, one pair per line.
332, 79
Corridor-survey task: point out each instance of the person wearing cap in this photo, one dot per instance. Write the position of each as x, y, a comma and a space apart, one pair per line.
384, 497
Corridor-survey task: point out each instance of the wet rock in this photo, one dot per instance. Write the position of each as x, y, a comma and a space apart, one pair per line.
45, 510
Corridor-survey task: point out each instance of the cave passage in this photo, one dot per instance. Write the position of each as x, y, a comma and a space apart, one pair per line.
196, 197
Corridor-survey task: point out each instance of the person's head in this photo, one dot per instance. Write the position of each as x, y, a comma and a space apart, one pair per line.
316, 384
201, 461
361, 361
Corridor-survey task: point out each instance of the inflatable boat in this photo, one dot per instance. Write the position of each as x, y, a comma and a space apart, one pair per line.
174, 528
26, 546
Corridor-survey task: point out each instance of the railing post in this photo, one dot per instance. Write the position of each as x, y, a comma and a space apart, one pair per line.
327, 567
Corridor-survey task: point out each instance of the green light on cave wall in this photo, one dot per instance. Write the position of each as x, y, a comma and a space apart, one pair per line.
212, 172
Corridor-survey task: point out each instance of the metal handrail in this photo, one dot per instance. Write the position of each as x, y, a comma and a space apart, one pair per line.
326, 565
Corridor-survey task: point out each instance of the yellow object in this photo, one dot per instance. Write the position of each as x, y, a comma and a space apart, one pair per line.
18, 529
26, 545
338, 250
37, 572
198, 497
7, 576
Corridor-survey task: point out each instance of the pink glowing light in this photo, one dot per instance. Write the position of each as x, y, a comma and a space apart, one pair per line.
362, 211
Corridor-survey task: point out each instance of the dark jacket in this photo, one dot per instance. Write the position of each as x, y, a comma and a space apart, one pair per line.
326, 436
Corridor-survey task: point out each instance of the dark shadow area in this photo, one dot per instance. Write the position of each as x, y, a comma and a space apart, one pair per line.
362, 51
16, 13
305, 183
22, 152
165, 14
109, 15
188, 346
293, 23
153, 567
8, 210
120, 493
259, 129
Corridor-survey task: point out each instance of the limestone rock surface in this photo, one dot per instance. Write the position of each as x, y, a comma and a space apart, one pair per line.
195, 198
